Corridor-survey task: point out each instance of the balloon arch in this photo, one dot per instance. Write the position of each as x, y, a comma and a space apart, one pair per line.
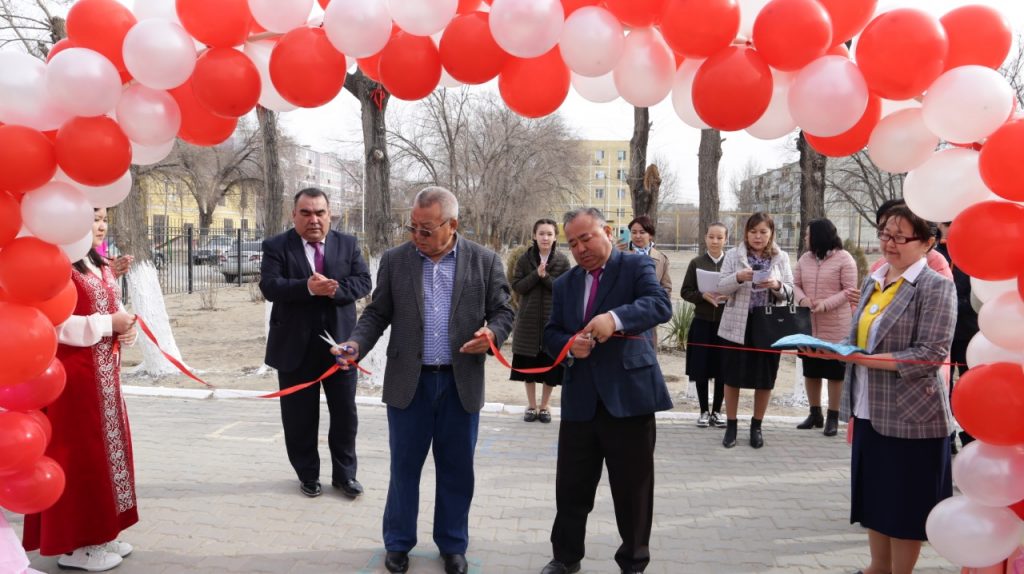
124, 85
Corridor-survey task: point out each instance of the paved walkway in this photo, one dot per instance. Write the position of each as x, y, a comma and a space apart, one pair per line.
216, 495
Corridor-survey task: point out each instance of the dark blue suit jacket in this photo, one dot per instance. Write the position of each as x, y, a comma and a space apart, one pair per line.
622, 372
298, 318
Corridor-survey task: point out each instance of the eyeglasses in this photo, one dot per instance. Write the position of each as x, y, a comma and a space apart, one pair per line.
897, 239
426, 232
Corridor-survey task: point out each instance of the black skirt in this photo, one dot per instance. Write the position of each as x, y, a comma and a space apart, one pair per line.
830, 369
552, 378
896, 482
703, 363
750, 369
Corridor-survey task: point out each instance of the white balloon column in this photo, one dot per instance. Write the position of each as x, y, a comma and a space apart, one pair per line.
123, 86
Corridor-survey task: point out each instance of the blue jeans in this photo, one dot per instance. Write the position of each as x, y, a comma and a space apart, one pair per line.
435, 415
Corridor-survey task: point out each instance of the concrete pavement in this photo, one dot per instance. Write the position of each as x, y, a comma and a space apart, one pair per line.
216, 494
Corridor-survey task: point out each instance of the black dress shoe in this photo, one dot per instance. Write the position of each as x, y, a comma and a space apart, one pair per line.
311, 489
455, 563
350, 487
396, 561
556, 567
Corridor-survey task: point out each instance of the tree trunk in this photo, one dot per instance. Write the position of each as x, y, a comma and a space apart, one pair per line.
373, 102
812, 186
206, 219
273, 183
129, 222
708, 156
642, 202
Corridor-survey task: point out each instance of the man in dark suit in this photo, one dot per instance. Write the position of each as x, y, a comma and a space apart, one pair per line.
611, 390
314, 276
443, 297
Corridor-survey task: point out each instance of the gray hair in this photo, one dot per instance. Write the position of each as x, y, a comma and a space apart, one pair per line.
591, 211
435, 194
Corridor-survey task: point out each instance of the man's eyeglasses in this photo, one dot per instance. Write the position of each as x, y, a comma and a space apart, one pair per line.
897, 239
425, 232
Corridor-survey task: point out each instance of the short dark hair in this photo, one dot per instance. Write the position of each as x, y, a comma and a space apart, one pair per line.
923, 229
311, 192
719, 224
544, 221
593, 212
756, 219
824, 237
885, 207
644, 222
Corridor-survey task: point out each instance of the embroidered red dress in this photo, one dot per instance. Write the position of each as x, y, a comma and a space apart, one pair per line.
91, 438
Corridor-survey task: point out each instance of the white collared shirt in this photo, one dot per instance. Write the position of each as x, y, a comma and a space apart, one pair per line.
712, 257
588, 280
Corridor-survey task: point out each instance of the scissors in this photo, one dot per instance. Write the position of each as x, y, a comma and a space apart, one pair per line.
329, 339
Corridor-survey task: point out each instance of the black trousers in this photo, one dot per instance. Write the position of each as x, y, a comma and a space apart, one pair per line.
626, 445
300, 415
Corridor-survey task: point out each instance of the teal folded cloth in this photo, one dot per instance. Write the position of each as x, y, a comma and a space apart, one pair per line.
806, 341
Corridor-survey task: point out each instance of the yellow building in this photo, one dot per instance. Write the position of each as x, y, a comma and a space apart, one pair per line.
170, 205
606, 171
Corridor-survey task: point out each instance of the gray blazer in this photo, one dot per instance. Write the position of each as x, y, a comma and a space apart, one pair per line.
480, 297
912, 402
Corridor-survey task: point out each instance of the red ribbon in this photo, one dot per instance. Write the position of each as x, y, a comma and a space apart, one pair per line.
292, 390
149, 334
822, 355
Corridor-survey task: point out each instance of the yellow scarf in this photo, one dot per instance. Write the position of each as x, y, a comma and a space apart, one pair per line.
879, 300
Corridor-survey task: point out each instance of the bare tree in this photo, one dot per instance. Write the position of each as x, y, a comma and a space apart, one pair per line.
373, 101
32, 24
1013, 71
812, 185
272, 189
709, 154
645, 200
857, 181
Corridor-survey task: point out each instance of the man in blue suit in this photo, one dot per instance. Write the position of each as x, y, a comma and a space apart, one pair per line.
314, 276
611, 390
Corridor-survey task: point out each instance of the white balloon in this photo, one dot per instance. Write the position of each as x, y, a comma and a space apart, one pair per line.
600, 90
148, 116
422, 17
900, 142
1000, 320
24, 99
967, 104
592, 41
828, 96
447, 81
159, 54
358, 28
57, 213
990, 474
749, 9
981, 351
948, 183
163, 9
280, 15
77, 250
644, 73
104, 195
682, 94
259, 53
969, 534
83, 82
526, 28
776, 121
148, 155
988, 290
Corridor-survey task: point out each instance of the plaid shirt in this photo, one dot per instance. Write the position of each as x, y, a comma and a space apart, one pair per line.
438, 279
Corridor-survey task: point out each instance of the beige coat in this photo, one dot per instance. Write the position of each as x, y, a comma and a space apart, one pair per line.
737, 308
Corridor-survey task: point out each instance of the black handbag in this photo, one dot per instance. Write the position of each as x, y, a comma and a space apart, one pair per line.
773, 322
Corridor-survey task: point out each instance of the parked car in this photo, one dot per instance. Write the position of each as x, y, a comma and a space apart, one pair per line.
252, 256
211, 250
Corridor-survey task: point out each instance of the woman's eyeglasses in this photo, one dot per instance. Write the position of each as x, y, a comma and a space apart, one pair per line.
897, 239
425, 232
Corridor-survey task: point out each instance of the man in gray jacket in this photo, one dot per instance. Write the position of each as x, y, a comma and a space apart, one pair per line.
444, 297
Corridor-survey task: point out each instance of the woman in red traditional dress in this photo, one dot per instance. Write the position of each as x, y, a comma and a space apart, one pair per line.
91, 438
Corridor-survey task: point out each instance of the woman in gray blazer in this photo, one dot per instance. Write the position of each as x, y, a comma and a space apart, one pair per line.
901, 464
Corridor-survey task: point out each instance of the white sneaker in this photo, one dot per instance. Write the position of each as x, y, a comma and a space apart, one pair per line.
703, 420
90, 559
122, 549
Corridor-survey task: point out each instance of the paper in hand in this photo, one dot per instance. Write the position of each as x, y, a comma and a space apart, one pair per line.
707, 281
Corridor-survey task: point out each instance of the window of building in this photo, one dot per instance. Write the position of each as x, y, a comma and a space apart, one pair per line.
599, 174
622, 214
620, 175
598, 156
159, 229
223, 200
599, 193
622, 193
622, 155
229, 226
245, 224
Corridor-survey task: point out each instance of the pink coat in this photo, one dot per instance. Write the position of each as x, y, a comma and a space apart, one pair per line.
825, 280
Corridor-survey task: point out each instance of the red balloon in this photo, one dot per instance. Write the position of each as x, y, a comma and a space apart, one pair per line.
637, 13
902, 52
37, 392
999, 162
789, 34
27, 159
10, 218
306, 69
840, 50
44, 423
61, 306
1020, 285
22, 442
220, 24
93, 151
848, 17
978, 35
324, 3
369, 66
570, 6
226, 82
854, 139
29, 343
468, 50
60, 46
988, 402
100, 25
534, 87
32, 270
467, 6
410, 66
732, 88
700, 28
200, 126
33, 490
977, 229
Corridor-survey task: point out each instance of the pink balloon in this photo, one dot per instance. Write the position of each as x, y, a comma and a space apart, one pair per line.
1000, 320
104, 195
358, 28
159, 54
969, 534
526, 28
901, 142
83, 82
24, 98
948, 183
776, 120
57, 213
422, 17
280, 15
148, 116
682, 94
259, 52
828, 96
990, 475
592, 41
967, 104
644, 73
148, 155
600, 89
981, 351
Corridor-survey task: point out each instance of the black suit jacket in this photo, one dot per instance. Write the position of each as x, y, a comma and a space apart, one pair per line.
298, 318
